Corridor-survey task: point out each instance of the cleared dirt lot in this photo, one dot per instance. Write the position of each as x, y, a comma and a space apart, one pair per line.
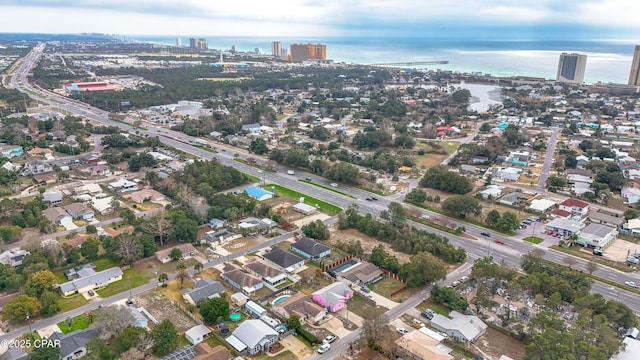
620, 249
160, 307
495, 344
368, 243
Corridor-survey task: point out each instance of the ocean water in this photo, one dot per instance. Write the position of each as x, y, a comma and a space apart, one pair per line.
608, 60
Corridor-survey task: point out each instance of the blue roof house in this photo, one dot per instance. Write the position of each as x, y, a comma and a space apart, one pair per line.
258, 193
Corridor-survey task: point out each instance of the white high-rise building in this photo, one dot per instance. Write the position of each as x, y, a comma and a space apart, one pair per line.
634, 75
571, 68
178, 42
276, 48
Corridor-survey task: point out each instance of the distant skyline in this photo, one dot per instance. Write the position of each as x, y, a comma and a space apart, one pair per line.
539, 19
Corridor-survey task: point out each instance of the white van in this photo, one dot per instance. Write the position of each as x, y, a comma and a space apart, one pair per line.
290, 172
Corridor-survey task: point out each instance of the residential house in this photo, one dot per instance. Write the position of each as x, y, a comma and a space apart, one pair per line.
52, 197
469, 169
187, 251
98, 169
582, 161
631, 194
219, 237
333, 297
479, 159
418, 345
14, 353
541, 205
254, 309
283, 259
13, 258
46, 178
506, 174
79, 211
10, 151
577, 208
146, 195
519, 158
596, 236
37, 167
57, 215
91, 280
304, 208
197, 334
76, 273
564, 227
466, 328
269, 274
557, 213
513, 199
139, 320
491, 192
252, 336
301, 305
74, 344
215, 223
92, 189
605, 219
253, 225
362, 273
241, 280
123, 185
251, 128
310, 248
239, 299
258, 193
103, 205
205, 352
632, 226
203, 290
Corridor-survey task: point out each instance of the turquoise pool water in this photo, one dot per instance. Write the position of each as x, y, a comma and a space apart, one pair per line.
280, 299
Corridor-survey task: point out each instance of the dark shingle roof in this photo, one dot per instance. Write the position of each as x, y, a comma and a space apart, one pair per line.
310, 246
72, 341
204, 289
282, 257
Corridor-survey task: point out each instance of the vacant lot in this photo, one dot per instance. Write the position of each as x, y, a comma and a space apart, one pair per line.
495, 344
364, 308
162, 308
239, 245
368, 243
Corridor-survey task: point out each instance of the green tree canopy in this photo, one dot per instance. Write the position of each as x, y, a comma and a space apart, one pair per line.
165, 338
214, 309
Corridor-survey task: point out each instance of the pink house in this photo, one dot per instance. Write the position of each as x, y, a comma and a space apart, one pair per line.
333, 297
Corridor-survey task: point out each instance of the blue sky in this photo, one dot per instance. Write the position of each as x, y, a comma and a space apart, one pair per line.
323, 18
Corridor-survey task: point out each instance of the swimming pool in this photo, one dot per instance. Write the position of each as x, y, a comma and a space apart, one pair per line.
280, 299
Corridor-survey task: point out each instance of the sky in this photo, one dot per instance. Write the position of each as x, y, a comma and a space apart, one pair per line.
323, 18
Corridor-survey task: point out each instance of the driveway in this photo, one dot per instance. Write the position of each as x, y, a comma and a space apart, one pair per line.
334, 326
297, 347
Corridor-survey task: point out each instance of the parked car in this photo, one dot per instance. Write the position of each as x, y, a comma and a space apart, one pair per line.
418, 322
499, 242
597, 252
324, 348
329, 339
464, 278
633, 260
91, 293
402, 331
631, 284
427, 314
455, 283
484, 233
365, 289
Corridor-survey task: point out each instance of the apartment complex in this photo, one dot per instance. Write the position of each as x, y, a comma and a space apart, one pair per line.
571, 68
634, 76
302, 52
276, 48
198, 44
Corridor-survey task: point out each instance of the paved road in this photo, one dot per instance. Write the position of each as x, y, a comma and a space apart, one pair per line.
548, 160
509, 253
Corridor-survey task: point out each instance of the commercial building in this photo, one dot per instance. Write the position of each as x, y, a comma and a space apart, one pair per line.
276, 48
198, 44
571, 68
596, 236
88, 86
634, 75
302, 52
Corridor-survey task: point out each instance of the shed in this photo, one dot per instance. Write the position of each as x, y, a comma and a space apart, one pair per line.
196, 334
255, 310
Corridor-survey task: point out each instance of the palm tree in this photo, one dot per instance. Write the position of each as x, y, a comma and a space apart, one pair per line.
182, 274
163, 277
198, 267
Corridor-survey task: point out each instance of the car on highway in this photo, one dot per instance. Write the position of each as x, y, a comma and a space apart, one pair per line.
498, 241
374, 198
631, 284
369, 199
329, 339
402, 330
484, 233
324, 348
290, 172
334, 185
308, 178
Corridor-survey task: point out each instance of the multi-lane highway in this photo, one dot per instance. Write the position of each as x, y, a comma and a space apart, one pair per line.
508, 253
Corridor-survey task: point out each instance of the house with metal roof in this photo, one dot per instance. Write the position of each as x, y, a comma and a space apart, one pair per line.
310, 248
204, 289
253, 336
254, 309
564, 226
216, 223
196, 334
52, 197
333, 297
139, 319
91, 280
259, 194
596, 236
74, 344
466, 328
283, 259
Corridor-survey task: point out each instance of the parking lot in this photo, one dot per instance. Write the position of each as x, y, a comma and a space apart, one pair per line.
620, 249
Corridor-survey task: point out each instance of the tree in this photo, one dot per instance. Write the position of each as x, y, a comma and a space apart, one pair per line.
462, 205
395, 214
451, 297
342, 171
317, 230
423, 268
370, 334
131, 336
182, 274
90, 249
91, 229
45, 353
163, 278
127, 249
440, 178
50, 304
556, 181
39, 282
112, 320
293, 322
461, 96
492, 218
159, 226
165, 338
258, 146
630, 214
570, 261
214, 309
97, 349
508, 222
19, 308
185, 229
485, 127
404, 141
198, 266
570, 162
416, 196
175, 254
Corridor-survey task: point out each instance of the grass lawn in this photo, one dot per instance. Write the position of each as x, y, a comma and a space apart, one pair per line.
79, 322
386, 286
285, 355
130, 279
326, 187
71, 302
437, 308
327, 208
215, 340
253, 179
146, 206
104, 263
286, 283
174, 292
364, 308
534, 239
575, 250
